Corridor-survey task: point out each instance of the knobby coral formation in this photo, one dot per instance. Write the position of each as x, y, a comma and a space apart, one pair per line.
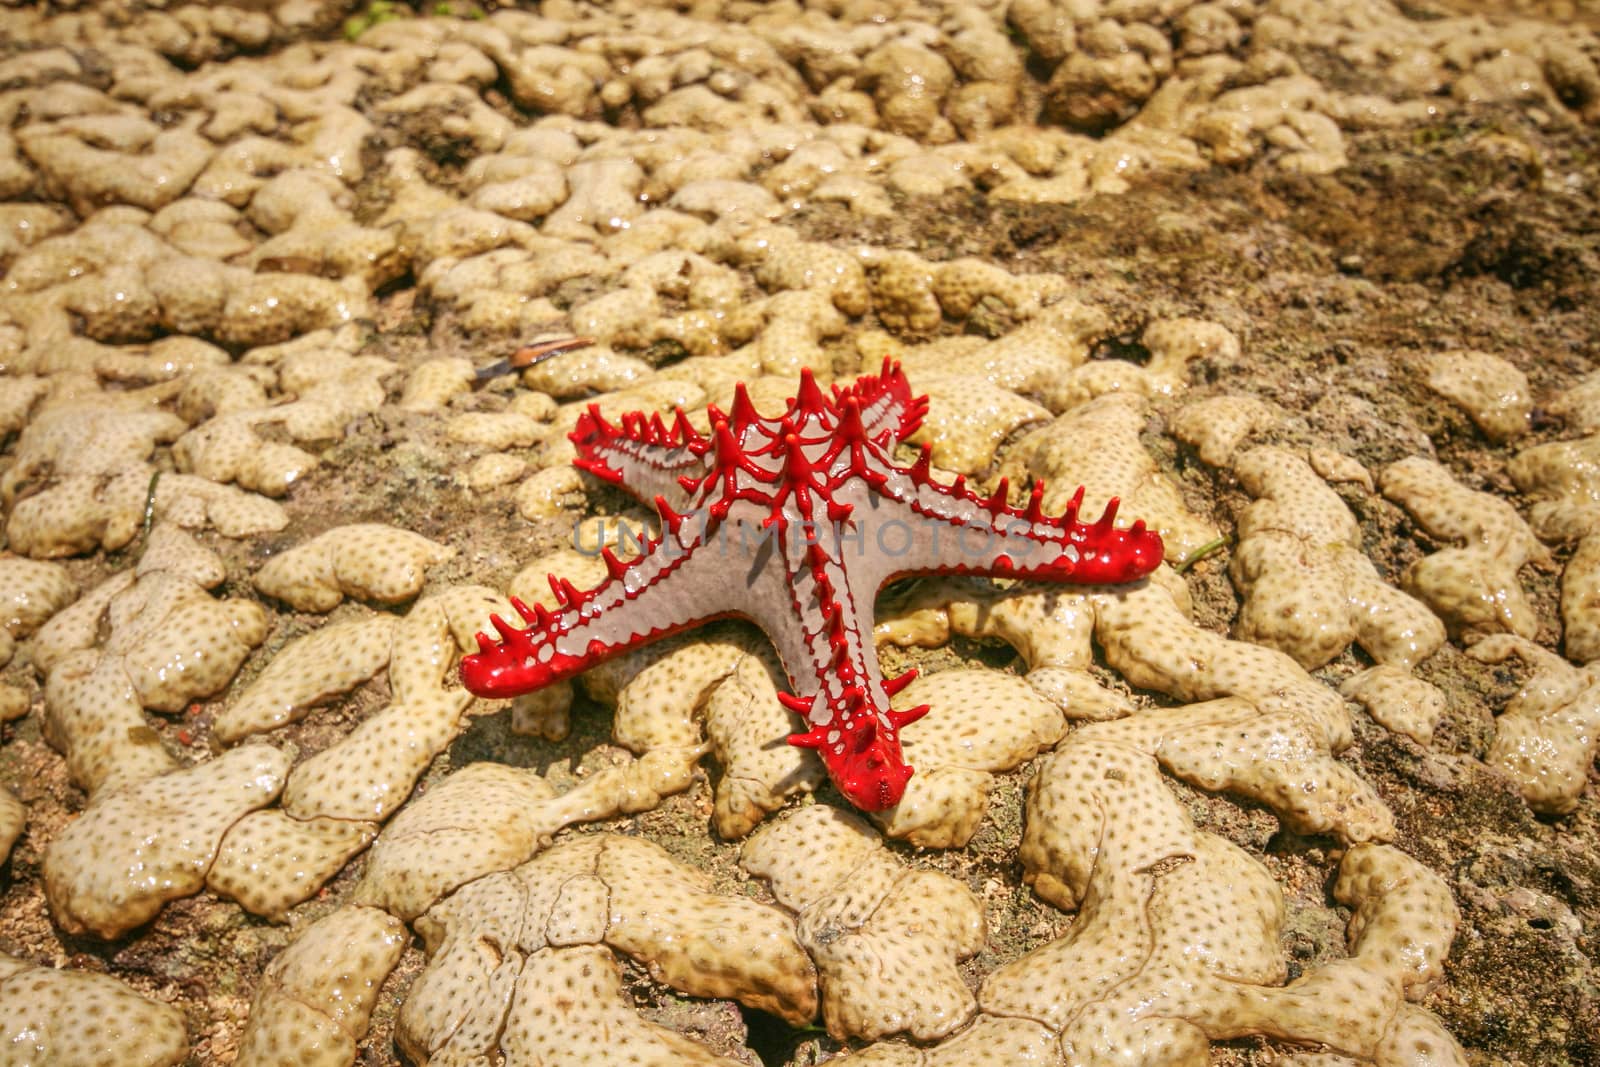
885, 938
1177, 939
502, 947
264, 475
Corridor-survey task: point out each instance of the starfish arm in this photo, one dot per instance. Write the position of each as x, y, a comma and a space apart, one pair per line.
888, 407
922, 526
683, 581
823, 633
645, 456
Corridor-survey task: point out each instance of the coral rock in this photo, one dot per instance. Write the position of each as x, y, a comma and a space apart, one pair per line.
317, 995
1547, 737
45, 1012
308, 671
546, 921
1400, 701
886, 938
137, 848
270, 861
1474, 588
368, 561
1309, 590
13, 819
444, 839
1490, 390
980, 722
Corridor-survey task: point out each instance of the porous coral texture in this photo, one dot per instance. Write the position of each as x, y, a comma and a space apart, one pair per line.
1580, 601
169, 641
1252, 700
968, 418
1176, 942
568, 1008
1547, 737
269, 861
1096, 445
1579, 406
30, 592
369, 773
1398, 699
1051, 628
1491, 390
442, 842
718, 687
885, 937
1474, 588
308, 671
76, 1019
743, 719
1308, 588
368, 561
140, 846
13, 818
176, 642
549, 920
317, 995
83, 479
979, 722
1218, 425
1561, 479
79, 514
228, 449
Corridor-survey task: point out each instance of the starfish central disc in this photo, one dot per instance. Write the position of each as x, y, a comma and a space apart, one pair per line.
795, 523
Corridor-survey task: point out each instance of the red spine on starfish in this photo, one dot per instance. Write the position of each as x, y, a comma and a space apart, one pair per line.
795, 523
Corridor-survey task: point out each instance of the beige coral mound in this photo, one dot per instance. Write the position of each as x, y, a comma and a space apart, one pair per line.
1562, 479
1252, 700
1096, 445
162, 642
497, 944
1491, 390
1548, 735
717, 686
176, 643
370, 772
743, 718
441, 841
13, 818
886, 938
30, 592
368, 561
1580, 601
317, 995
968, 418
980, 722
1474, 587
307, 672
1308, 588
270, 861
1398, 699
1176, 943
568, 1009
138, 847
79, 1019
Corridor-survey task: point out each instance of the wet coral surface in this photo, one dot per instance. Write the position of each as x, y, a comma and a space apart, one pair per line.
1311, 287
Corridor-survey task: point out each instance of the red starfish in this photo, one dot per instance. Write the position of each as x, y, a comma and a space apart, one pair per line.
795, 523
